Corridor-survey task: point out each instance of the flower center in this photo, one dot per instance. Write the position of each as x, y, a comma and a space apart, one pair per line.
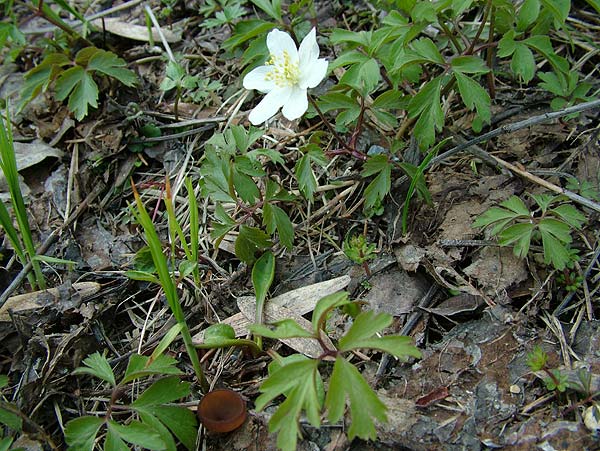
285, 71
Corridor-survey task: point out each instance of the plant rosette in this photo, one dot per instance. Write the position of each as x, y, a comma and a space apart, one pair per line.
286, 76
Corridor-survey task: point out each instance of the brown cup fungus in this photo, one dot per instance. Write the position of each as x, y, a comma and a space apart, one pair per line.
222, 410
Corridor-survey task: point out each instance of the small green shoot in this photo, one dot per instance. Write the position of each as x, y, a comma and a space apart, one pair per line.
359, 251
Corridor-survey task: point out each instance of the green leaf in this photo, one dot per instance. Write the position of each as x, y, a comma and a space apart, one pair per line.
110, 64
138, 433
263, 273
298, 380
554, 251
271, 7
80, 433
5, 444
559, 9
161, 429
286, 328
275, 218
307, 182
81, 88
523, 63
557, 228
363, 77
181, 421
141, 366
570, 215
142, 276
469, 65
365, 406
381, 184
528, 13
474, 96
249, 241
514, 203
493, 215
113, 442
246, 30
3, 380
97, 365
163, 391
426, 105
11, 419
427, 49
327, 304
520, 235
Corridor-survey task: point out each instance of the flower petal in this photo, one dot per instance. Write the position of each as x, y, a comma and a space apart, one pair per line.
296, 104
269, 105
312, 74
309, 49
257, 79
279, 42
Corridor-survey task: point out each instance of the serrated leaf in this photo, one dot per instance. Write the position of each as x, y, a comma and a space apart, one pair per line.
299, 381
528, 13
520, 235
161, 429
307, 182
523, 63
390, 99
271, 7
138, 433
97, 365
110, 64
474, 96
427, 107
427, 49
80, 87
275, 218
325, 305
249, 241
113, 442
570, 215
559, 9
141, 366
245, 30
492, 215
365, 406
365, 325
162, 391
554, 251
469, 65
80, 433
287, 328
381, 184
514, 203
559, 229
181, 421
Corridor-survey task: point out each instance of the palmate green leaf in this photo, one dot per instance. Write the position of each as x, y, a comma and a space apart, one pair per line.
514, 203
557, 228
555, 251
80, 433
381, 184
286, 328
249, 241
365, 406
138, 433
141, 366
80, 87
570, 215
299, 380
276, 218
362, 77
474, 96
523, 63
495, 215
97, 365
520, 235
362, 336
427, 107
110, 64
162, 391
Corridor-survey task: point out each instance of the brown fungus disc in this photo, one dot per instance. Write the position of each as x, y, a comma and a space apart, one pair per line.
222, 410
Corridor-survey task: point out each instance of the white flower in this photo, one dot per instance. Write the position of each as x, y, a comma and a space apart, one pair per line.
286, 76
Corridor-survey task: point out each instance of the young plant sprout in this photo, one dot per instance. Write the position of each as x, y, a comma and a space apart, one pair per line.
286, 76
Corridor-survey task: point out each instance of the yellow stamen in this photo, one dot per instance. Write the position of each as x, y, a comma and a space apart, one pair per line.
285, 71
